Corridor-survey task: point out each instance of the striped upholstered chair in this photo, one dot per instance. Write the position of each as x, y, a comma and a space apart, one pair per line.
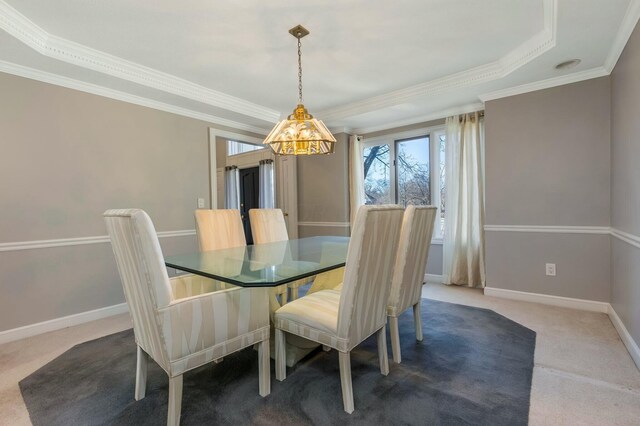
181, 334
342, 320
268, 226
408, 274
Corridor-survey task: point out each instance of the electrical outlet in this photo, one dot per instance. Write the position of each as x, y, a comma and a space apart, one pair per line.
201, 203
551, 269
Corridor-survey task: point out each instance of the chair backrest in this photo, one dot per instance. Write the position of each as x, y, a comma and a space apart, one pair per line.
368, 271
219, 229
143, 274
411, 261
268, 225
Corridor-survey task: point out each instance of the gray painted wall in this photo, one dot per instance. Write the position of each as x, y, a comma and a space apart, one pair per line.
323, 185
67, 156
625, 184
548, 163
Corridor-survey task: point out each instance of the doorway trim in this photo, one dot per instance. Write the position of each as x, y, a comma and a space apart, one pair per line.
213, 178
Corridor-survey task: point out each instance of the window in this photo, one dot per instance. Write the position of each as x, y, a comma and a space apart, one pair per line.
237, 147
407, 168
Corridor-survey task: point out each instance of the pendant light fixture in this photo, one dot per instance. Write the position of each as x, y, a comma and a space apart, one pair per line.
300, 133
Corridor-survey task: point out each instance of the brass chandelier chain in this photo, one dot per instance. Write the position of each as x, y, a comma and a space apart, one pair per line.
299, 70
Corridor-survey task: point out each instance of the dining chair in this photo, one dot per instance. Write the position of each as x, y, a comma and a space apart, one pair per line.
342, 320
221, 229
268, 226
181, 334
409, 270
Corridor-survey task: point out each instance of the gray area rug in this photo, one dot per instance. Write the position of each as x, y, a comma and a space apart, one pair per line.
473, 367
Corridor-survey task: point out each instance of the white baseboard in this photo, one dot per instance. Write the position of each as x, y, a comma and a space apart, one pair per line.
432, 278
546, 299
626, 338
60, 323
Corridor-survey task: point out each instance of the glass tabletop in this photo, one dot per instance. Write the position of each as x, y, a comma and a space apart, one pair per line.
266, 265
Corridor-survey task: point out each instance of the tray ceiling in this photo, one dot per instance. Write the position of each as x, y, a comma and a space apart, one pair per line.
367, 64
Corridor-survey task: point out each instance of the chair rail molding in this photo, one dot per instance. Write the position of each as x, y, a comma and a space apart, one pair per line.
628, 238
549, 229
78, 241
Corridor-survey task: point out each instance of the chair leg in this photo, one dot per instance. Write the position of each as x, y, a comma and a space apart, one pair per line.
345, 381
175, 400
264, 368
417, 319
395, 339
141, 374
381, 337
281, 355
283, 295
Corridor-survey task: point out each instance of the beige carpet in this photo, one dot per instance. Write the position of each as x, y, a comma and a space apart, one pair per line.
583, 373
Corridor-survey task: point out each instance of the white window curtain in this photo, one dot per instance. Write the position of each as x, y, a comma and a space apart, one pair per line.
463, 242
356, 175
267, 193
231, 187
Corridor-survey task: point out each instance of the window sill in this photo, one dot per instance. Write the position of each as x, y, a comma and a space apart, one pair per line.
437, 241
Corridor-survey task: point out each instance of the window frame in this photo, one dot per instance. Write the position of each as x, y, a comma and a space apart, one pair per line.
258, 148
392, 139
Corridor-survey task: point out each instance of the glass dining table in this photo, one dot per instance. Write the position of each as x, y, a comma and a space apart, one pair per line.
269, 265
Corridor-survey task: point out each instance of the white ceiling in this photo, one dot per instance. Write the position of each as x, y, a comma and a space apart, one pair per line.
367, 64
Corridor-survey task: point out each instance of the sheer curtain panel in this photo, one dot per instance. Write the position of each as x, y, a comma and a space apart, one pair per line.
463, 245
356, 175
267, 193
231, 187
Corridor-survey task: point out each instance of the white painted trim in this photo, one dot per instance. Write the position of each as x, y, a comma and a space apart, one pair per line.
547, 299
625, 336
466, 109
20, 27
634, 240
432, 278
62, 242
532, 48
546, 84
50, 45
60, 323
549, 229
326, 224
624, 32
213, 167
94, 89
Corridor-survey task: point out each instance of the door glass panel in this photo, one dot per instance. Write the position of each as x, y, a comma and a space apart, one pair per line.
414, 183
377, 174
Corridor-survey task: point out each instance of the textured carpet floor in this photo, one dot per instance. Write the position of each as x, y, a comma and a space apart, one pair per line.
473, 367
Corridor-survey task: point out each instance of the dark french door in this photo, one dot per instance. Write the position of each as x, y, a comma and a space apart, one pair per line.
249, 198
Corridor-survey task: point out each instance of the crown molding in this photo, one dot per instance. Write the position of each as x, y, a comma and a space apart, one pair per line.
94, 89
20, 27
523, 54
627, 26
422, 119
546, 84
